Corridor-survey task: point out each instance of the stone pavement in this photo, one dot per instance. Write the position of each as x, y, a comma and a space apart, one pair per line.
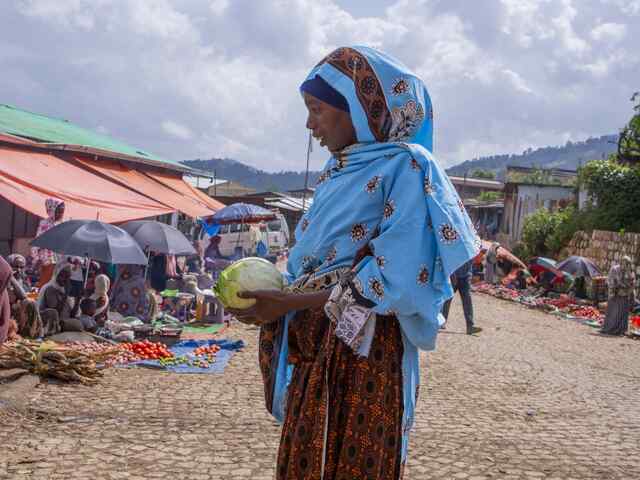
532, 397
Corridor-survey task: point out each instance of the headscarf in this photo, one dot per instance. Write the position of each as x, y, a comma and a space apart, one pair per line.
42, 254
53, 283
621, 278
102, 284
5, 306
388, 194
16, 260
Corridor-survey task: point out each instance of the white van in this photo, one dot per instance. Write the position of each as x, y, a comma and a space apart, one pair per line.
278, 235
241, 240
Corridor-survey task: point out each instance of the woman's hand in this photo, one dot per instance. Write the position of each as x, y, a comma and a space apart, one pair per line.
270, 306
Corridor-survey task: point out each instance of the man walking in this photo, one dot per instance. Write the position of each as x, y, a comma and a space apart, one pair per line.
461, 281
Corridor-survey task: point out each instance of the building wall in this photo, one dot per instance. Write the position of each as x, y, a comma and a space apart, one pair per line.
523, 200
468, 191
229, 189
17, 229
606, 248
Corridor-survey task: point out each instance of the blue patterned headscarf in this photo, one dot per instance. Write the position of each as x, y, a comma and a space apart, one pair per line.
385, 213
387, 102
386, 192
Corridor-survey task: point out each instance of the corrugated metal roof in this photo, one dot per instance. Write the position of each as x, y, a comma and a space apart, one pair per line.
204, 182
55, 132
477, 182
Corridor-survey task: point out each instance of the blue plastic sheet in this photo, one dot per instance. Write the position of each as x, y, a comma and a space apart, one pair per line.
186, 347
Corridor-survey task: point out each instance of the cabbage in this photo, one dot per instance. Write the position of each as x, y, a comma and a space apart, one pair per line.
246, 275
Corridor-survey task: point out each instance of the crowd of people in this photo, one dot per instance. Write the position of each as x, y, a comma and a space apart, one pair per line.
45, 293
537, 280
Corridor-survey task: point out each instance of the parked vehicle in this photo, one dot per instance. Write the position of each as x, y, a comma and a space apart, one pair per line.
278, 235
241, 240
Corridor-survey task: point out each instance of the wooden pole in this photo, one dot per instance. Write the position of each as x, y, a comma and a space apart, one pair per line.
306, 173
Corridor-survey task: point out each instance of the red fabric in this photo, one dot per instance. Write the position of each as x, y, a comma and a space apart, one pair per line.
179, 185
148, 186
28, 178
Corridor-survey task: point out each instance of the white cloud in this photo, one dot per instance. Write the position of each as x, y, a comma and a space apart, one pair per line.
218, 7
221, 77
517, 81
176, 130
609, 31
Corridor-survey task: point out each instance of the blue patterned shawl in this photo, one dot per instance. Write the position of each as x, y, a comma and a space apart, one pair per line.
386, 192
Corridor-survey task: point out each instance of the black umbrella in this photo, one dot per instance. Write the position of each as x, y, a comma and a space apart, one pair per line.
94, 240
159, 237
579, 267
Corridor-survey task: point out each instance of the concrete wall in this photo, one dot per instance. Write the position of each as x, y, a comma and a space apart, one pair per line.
606, 248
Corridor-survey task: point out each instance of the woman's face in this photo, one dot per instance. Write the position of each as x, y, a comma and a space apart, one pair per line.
331, 126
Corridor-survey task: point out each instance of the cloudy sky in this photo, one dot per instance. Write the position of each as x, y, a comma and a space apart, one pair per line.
201, 78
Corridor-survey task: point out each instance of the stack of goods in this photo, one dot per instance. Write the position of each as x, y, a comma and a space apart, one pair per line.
147, 350
497, 291
49, 359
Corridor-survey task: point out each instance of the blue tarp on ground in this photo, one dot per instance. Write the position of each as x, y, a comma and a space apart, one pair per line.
186, 347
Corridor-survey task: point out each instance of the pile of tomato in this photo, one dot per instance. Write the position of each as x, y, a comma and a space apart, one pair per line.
146, 350
587, 312
206, 350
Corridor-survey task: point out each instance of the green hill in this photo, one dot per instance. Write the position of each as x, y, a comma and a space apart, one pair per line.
569, 156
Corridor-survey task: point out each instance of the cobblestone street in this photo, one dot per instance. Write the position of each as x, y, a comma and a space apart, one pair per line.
532, 397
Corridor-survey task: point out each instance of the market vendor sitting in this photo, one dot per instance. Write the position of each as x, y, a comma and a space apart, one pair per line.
88, 307
53, 302
23, 309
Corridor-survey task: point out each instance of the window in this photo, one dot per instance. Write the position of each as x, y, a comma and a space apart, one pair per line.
274, 226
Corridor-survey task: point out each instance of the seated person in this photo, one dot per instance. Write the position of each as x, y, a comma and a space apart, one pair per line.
88, 311
101, 296
23, 310
53, 300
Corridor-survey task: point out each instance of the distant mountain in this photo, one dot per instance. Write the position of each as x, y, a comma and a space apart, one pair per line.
568, 157
252, 177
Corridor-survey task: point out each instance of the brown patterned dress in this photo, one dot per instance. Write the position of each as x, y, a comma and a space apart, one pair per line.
344, 412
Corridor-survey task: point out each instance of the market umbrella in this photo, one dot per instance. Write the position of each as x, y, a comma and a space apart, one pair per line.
159, 237
545, 263
242, 213
579, 267
94, 240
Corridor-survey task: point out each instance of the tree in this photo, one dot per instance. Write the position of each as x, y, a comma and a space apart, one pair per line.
479, 173
629, 141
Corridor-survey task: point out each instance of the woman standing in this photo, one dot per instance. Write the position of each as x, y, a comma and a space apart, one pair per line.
45, 260
6, 323
621, 282
369, 275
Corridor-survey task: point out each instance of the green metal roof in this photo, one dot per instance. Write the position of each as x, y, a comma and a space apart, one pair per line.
43, 129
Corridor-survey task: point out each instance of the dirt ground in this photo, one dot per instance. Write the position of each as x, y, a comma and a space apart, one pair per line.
532, 397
